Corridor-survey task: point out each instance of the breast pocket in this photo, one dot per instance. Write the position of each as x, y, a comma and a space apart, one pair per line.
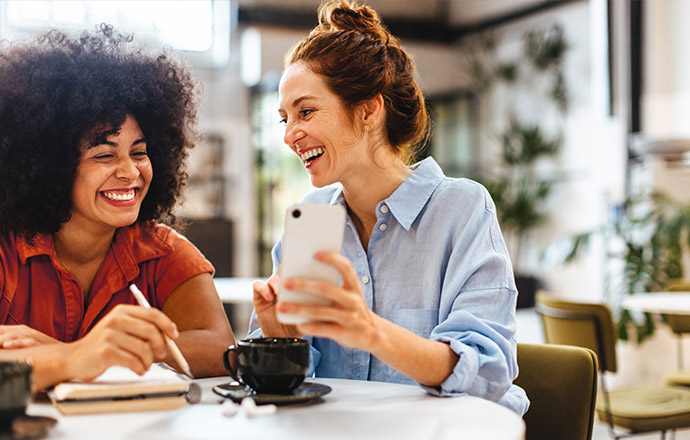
419, 321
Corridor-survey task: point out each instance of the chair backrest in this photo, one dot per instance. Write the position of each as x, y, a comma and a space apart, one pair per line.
588, 325
561, 383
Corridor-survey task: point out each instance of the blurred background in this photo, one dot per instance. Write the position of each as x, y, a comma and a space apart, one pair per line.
572, 113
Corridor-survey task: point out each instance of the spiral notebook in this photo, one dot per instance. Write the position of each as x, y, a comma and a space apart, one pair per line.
119, 389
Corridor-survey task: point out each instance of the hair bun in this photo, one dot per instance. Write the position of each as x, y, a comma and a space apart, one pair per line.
342, 15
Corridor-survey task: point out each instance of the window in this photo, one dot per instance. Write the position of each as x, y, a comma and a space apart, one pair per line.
197, 26
452, 141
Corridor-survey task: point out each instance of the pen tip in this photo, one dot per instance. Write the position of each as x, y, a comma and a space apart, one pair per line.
188, 372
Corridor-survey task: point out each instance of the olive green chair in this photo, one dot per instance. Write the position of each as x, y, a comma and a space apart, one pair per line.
561, 383
638, 410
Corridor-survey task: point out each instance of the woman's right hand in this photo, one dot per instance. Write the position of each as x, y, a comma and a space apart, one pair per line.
265, 297
129, 336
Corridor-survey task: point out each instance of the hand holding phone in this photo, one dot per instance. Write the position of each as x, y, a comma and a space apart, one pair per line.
309, 228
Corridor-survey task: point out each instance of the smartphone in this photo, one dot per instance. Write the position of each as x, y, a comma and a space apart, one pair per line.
309, 228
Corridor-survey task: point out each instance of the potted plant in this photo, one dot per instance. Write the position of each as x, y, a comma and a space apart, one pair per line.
519, 187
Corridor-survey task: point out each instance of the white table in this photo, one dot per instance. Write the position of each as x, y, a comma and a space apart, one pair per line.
354, 409
676, 303
235, 290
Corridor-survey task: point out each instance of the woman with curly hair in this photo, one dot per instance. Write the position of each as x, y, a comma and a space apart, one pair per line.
93, 139
427, 293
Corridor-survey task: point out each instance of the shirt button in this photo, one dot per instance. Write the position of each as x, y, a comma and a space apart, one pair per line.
383, 226
384, 209
365, 279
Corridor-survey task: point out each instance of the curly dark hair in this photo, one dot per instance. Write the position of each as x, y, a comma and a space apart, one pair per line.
55, 90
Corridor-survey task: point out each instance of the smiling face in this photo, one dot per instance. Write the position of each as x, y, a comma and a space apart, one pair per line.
113, 176
318, 127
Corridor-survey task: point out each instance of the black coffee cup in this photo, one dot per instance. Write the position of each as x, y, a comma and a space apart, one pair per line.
15, 391
269, 365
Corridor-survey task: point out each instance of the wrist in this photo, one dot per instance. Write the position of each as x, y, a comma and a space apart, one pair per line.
64, 360
377, 334
51, 365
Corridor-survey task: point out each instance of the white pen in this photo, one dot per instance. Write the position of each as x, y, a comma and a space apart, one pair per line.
177, 354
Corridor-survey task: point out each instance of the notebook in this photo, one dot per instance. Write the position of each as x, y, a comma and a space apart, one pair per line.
119, 389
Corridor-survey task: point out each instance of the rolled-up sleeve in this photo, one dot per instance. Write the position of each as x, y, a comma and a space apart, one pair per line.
476, 314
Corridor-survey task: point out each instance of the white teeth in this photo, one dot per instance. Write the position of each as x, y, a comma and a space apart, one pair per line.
119, 196
311, 153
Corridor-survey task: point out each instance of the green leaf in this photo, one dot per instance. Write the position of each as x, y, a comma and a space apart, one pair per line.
545, 48
580, 241
507, 71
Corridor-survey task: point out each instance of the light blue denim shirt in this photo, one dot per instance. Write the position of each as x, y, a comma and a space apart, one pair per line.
437, 265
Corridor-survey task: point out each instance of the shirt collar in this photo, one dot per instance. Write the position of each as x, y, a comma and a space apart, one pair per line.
338, 198
136, 244
408, 200
131, 246
39, 244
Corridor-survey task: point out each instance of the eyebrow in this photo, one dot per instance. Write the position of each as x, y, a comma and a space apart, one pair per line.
303, 98
103, 140
297, 101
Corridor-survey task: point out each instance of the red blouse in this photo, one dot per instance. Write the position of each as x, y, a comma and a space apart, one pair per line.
36, 290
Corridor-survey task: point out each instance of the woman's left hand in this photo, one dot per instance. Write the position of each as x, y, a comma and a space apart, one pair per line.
348, 319
21, 336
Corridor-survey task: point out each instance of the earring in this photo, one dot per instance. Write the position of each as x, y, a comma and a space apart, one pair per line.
366, 127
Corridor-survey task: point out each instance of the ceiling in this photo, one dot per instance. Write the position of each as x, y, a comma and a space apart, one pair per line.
440, 20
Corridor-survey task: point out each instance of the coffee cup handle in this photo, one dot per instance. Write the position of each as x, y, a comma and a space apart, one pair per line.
232, 371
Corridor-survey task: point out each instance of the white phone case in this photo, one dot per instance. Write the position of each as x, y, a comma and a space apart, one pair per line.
309, 228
